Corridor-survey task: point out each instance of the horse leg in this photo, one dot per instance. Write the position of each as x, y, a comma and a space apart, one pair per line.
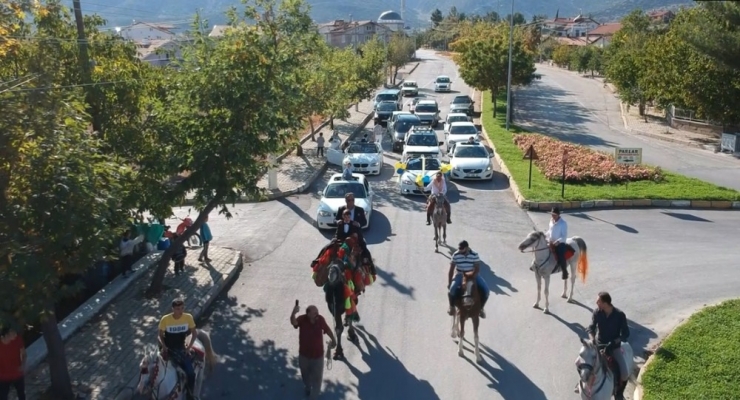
547, 294
476, 323
565, 284
444, 233
455, 330
538, 278
460, 346
573, 269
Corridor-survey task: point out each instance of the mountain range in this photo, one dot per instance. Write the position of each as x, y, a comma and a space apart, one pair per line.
180, 12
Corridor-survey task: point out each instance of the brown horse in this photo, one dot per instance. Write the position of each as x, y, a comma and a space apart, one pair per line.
467, 307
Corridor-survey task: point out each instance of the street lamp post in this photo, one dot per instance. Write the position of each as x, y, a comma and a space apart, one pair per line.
511, 49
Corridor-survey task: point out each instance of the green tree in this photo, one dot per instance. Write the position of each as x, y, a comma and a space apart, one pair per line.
519, 19
482, 55
596, 61
561, 54
400, 51
230, 105
627, 53
715, 31
436, 17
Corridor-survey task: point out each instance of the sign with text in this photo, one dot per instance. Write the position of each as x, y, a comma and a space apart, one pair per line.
628, 156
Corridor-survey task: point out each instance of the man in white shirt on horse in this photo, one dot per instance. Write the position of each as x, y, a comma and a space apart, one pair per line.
557, 234
437, 186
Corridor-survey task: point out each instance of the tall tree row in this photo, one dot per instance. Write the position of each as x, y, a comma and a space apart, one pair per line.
67, 191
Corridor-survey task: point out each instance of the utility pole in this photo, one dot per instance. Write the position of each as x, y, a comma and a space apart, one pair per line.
84, 60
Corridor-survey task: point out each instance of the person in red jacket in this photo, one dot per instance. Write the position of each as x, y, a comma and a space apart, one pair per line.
12, 364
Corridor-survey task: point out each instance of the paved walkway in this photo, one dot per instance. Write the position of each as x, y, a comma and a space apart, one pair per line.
104, 355
657, 127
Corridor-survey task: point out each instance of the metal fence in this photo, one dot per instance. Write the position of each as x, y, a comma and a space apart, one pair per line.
686, 115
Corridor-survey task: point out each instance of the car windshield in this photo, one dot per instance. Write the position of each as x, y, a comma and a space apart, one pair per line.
462, 151
422, 140
386, 97
462, 100
457, 118
404, 125
426, 108
387, 106
362, 148
409, 84
463, 130
339, 189
443, 80
416, 164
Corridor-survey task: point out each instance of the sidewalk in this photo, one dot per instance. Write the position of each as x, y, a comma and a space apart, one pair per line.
103, 356
295, 173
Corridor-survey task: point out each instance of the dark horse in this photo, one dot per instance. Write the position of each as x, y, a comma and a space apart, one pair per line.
467, 307
336, 297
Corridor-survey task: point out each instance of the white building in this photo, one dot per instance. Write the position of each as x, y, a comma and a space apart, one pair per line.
392, 20
567, 27
159, 52
140, 31
340, 33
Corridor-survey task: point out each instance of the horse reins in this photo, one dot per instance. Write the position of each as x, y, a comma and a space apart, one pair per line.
592, 380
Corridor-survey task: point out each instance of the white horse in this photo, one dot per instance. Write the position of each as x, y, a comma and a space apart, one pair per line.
165, 381
596, 379
545, 262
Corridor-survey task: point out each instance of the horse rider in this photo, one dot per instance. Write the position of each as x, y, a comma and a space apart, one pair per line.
609, 327
174, 328
437, 186
557, 235
356, 214
346, 227
463, 261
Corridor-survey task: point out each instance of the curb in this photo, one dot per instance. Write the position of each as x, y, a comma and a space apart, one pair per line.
602, 204
197, 312
37, 351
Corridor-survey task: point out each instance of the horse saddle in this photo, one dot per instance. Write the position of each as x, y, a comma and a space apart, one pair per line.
569, 251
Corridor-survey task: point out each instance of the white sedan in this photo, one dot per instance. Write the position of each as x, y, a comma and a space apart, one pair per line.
414, 167
332, 197
365, 157
461, 132
471, 161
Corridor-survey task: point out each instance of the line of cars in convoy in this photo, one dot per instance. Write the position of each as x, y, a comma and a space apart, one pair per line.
412, 133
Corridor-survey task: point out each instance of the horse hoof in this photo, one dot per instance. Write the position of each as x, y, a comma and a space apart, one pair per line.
564, 296
546, 311
479, 360
461, 354
536, 305
570, 300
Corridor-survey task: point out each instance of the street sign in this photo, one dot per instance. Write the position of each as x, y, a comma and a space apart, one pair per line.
628, 155
531, 154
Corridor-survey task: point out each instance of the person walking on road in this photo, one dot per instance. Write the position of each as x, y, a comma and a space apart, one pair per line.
12, 364
206, 237
320, 145
557, 234
311, 330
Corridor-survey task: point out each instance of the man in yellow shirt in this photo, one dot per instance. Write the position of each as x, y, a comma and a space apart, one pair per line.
174, 328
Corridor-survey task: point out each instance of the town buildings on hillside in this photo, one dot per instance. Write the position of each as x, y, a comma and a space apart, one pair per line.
341, 33
157, 44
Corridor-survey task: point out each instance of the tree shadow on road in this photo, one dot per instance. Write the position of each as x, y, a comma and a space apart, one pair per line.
386, 376
542, 109
247, 369
507, 379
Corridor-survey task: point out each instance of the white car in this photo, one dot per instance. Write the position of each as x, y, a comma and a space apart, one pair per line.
332, 197
442, 84
365, 157
461, 132
410, 88
471, 161
428, 166
455, 117
421, 141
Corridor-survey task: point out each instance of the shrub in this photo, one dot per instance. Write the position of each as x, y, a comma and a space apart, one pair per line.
584, 165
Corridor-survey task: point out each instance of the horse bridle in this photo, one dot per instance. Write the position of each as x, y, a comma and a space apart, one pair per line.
540, 249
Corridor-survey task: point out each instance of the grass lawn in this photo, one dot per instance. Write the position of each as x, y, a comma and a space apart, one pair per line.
674, 187
700, 360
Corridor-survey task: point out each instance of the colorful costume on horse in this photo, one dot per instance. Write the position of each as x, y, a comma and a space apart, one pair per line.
437, 186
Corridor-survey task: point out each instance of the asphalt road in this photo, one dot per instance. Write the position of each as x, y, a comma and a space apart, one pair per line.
577, 109
659, 265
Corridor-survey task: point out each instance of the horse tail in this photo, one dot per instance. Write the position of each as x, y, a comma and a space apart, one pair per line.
582, 258
211, 356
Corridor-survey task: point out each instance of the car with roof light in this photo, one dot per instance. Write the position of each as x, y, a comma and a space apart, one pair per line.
418, 166
401, 126
332, 197
462, 104
365, 157
471, 161
442, 84
461, 132
428, 112
409, 88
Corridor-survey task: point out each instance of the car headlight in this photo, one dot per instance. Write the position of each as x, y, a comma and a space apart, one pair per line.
325, 213
456, 168
489, 167
375, 164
